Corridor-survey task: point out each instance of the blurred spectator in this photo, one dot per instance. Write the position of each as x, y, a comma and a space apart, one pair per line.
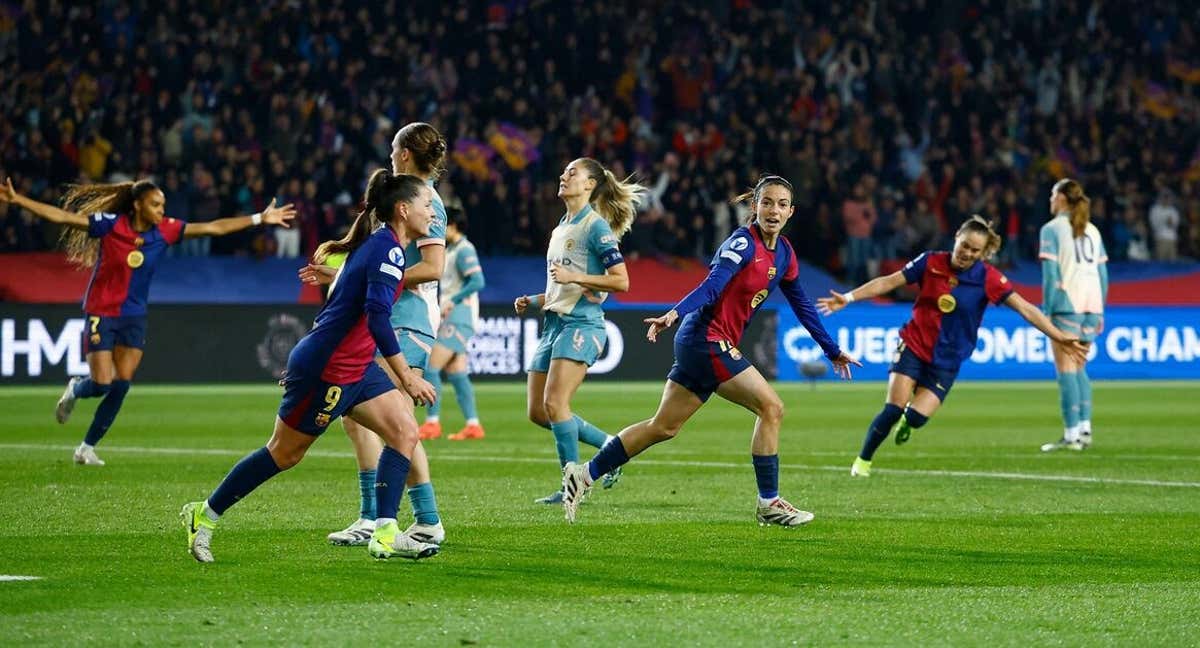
1164, 224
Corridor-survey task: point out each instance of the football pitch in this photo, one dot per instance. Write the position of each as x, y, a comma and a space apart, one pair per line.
966, 536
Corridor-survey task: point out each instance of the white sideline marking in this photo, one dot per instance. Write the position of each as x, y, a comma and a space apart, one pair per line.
644, 462
7, 577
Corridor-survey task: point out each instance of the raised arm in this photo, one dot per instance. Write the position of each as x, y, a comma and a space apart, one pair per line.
272, 215
42, 210
836, 301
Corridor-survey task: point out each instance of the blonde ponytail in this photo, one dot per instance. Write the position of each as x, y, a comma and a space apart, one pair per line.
616, 200
1078, 204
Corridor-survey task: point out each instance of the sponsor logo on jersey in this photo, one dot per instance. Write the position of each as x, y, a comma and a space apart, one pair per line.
759, 297
135, 259
947, 303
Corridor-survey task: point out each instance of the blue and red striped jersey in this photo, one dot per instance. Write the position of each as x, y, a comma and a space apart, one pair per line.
120, 283
949, 308
342, 341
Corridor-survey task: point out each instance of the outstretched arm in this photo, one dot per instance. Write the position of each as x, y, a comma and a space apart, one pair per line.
836, 301
802, 306
42, 210
272, 215
1031, 314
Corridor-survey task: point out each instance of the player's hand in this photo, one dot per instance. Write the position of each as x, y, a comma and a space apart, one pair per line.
841, 366
835, 302
560, 276
1076, 349
317, 275
660, 324
273, 215
421, 391
521, 303
7, 193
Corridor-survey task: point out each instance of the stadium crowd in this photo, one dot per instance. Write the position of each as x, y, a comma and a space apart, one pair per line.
895, 120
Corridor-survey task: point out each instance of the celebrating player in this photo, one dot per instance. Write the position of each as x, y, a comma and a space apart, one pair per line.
120, 232
417, 149
750, 264
461, 283
330, 372
1074, 288
583, 265
955, 289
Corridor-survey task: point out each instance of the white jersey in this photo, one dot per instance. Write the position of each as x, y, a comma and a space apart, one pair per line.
1078, 262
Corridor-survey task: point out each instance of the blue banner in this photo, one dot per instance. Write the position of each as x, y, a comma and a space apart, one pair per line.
1137, 342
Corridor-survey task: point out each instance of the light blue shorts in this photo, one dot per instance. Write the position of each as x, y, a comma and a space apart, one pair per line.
1085, 325
579, 340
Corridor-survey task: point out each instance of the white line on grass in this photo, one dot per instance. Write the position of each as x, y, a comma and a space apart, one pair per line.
8, 577
645, 462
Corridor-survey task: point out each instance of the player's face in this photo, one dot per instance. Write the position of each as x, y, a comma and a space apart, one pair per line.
575, 181
419, 213
401, 157
1058, 202
773, 209
150, 207
968, 248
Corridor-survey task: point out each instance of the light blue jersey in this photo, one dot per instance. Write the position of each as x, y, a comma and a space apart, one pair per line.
581, 243
417, 308
1078, 286
462, 263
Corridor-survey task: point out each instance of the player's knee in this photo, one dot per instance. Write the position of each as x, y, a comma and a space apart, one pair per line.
556, 409
663, 431
287, 457
771, 410
537, 415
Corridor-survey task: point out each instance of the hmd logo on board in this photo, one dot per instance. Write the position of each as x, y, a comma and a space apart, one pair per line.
37, 344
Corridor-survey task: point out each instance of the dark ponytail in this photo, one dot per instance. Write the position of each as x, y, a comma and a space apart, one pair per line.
87, 199
384, 190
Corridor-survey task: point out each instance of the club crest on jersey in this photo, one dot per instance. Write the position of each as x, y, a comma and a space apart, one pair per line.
759, 297
569, 245
946, 303
771, 272
135, 259
953, 281
322, 419
734, 353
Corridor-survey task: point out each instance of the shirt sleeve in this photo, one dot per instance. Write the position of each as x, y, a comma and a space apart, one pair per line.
172, 230
732, 256
437, 228
467, 264
101, 223
385, 275
603, 244
996, 285
1048, 243
914, 270
802, 306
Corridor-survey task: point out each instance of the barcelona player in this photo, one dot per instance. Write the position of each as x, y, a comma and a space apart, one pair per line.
1074, 288
750, 264
417, 149
583, 265
955, 288
461, 282
330, 372
120, 232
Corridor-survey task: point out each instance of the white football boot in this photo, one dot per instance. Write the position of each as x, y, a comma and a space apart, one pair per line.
780, 512
356, 535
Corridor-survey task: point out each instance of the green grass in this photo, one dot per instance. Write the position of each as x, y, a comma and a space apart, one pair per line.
967, 535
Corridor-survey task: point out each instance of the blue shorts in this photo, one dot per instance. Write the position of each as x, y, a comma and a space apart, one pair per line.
1085, 325
103, 333
415, 347
579, 340
454, 335
310, 404
938, 381
702, 367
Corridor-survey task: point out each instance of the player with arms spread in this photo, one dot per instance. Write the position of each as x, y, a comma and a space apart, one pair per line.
754, 261
120, 232
955, 289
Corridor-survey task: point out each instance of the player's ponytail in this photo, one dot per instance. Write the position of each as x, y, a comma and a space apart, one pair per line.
616, 200
87, 199
426, 145
978, 225
384, 190
1078, 204
754, 194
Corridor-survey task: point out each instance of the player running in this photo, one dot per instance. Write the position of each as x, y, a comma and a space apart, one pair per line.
330, 372
750, 264
955, 288
120, 232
